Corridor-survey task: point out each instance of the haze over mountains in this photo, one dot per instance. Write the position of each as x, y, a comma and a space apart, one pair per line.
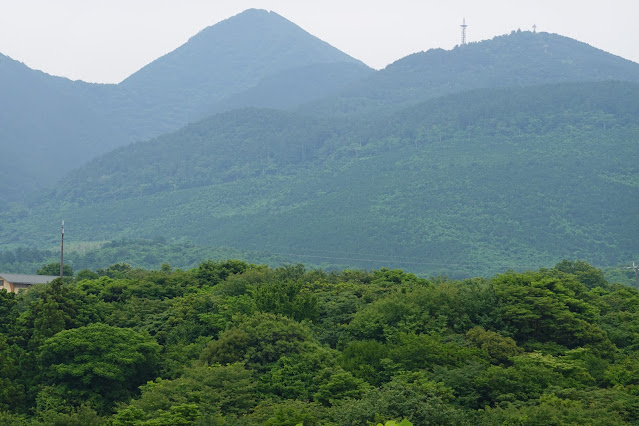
59, 124
517, 151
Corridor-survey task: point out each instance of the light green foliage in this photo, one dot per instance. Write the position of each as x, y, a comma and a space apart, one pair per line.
299, 376
412, 396
394, 423
286, 298
585, 273
552, 410
200, 393
288, 413
499, 349
620, 316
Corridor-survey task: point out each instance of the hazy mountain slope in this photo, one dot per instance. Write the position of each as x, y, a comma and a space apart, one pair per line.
227, 58
293, 87
47, 125
473, 182
50, 125
518, 59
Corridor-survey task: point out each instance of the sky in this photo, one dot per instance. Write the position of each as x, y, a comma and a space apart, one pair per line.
107, 40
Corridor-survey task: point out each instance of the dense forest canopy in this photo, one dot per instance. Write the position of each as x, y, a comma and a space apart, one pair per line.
234, 343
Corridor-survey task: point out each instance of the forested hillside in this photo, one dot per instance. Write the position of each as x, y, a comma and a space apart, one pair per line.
232, 343
476, 182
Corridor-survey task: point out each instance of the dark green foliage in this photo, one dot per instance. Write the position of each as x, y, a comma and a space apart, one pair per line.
543, 306
260, 340
212, 273
586, 274
54, 269
98, 363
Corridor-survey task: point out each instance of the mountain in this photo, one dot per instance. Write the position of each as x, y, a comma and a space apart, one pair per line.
515, 60
465, 184
225, 59
47, 126
50, 125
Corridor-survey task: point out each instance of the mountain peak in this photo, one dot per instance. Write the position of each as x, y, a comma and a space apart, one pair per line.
245, 47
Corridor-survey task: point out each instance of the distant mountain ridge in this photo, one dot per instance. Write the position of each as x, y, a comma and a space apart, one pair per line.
515, 60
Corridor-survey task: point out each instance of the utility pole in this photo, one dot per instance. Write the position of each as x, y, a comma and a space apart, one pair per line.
62, 251
636, 268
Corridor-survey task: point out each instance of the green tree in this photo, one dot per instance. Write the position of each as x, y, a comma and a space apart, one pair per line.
227, 390
260, 340
12, 393
98, 363
498, 348
287, 298
585, 273
213, 272
550, 307
54, 269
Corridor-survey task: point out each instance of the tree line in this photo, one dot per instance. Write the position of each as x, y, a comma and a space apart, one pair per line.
230, 342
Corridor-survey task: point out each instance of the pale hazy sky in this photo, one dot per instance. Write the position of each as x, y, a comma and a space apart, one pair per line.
107, 40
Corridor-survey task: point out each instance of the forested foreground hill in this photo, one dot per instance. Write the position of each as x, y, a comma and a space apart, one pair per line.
232, 343
476, 182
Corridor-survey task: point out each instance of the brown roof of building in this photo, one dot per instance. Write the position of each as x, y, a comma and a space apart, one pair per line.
27, 279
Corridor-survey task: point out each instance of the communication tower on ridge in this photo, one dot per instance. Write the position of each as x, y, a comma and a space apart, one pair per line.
463, 27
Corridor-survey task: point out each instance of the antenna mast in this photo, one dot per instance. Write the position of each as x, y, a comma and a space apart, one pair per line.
463, 27
62, 251
636, 268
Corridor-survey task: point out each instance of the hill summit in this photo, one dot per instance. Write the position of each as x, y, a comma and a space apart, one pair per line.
227, 58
